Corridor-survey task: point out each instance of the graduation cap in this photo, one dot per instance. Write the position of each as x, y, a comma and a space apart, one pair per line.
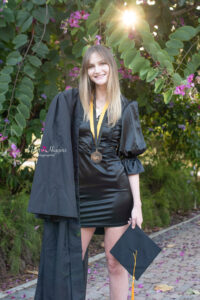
135, 251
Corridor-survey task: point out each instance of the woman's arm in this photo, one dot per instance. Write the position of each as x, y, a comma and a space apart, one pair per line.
136, 213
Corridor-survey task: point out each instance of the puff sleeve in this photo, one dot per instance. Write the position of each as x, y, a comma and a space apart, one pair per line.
131, 141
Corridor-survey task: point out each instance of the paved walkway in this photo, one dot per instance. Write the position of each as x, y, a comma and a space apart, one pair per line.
177, 267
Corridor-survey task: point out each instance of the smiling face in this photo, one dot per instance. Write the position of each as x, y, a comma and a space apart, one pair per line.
98, 69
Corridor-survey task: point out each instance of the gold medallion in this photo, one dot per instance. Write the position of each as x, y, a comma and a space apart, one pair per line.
96, 157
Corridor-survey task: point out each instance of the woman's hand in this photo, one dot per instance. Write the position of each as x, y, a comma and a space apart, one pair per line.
136, 216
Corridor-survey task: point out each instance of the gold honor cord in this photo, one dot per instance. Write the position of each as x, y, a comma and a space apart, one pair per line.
96, 156
133, 278
100, 119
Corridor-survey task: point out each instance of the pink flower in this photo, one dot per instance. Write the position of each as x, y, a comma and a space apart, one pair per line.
84, 15
182, 21
14, 151
76, 15
52, 20
57, 42
68, 87
2, 138
180, 90
74, 72
190, 78
98, 37
73, 22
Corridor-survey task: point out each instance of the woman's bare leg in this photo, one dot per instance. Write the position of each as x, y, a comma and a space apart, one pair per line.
118, 275
86, 235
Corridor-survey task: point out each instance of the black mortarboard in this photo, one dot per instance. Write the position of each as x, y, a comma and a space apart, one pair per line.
135, 246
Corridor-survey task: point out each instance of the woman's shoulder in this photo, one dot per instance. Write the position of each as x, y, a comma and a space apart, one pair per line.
128, 104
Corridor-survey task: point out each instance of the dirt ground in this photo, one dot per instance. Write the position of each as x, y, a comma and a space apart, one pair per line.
96, 247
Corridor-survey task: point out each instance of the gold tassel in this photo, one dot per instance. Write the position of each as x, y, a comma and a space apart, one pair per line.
133, 278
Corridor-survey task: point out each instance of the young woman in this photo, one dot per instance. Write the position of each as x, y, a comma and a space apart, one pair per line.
86, 178
108, 186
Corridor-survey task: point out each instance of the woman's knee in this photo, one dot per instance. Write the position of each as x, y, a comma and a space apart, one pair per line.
114, 267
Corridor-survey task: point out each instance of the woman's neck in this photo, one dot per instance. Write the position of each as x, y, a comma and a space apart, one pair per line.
100, 94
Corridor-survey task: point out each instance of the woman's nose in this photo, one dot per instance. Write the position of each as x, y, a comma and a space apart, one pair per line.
96, 68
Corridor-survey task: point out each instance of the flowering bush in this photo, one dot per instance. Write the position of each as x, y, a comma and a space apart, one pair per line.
74, 20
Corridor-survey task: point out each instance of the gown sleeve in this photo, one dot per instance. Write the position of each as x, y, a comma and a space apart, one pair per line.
132, 141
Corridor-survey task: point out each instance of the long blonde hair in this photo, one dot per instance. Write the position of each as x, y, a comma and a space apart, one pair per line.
87, 87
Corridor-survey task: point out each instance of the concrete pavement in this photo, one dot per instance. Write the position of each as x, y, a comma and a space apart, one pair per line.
176, 268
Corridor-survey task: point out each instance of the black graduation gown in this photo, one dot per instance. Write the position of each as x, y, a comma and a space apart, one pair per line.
55, 198
55, 195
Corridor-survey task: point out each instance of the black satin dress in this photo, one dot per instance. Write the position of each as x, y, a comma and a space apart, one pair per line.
105, 193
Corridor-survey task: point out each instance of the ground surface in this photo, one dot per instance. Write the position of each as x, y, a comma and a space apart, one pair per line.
174, 274
96, 247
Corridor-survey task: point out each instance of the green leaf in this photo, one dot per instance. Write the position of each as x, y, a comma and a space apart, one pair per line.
143, 26
24, 95
169, 66
129, 56
41, 49
143, 73
19, 118
85, 49
138, 63
159, 85
4, 78
29, 70
7, 34
77, 49
92, 19
93, 30
4, 87
42, 114
23, 109
13, 58
177, 79
41, 15
161, 57
173, 51
27, 24
21, 17
7, 70
16, 130
20, 40
74, 31
2, 98
35, 61
126, 44
168, 95
152, 74
27, 82
2, 23
116, 36
192, 65
147, 37
39, 2
184, 33
8, 15
173, 43
109, 13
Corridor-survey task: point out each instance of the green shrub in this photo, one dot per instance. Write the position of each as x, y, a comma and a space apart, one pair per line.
165, 190
20, 239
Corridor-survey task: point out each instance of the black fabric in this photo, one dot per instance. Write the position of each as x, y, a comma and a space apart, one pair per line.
105, 195
132, 141
131, 241
60, 274
55, 198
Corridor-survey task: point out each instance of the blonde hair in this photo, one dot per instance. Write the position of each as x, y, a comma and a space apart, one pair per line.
87, 87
